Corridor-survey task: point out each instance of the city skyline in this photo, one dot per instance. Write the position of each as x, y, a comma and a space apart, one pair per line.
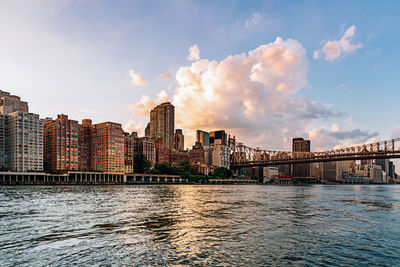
105, 67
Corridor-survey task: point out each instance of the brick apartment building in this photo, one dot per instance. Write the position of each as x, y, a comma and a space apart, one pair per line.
61, 144
108, 148
70, 146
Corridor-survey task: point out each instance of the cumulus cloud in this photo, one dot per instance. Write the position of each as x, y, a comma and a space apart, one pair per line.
136, 78
254, 97
250, 95
165, 75
194, 53
146, 104
132, 126
334, 49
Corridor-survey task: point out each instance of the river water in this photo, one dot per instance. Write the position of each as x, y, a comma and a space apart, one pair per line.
200, 225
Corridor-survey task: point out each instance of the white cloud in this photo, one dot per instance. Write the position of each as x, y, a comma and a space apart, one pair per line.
146, 104
334, 49
194, 53
132, 126
253, 96
165, 75
254, 20
250, 95
136, 78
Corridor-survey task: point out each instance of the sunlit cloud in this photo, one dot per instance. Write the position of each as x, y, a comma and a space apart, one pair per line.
136, 78
132, 126
194, 53
254, 91
146, 104
334, 49
165, 75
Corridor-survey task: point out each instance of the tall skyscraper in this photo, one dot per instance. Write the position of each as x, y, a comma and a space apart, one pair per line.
162, 124
24, 142
179, 140
218, 135
11, 103
301, 145
203, 138
3, 155
61, 144
108, 148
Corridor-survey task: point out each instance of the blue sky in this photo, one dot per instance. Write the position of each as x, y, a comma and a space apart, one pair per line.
74, 57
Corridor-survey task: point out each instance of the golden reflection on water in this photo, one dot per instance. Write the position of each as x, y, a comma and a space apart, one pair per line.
199, 225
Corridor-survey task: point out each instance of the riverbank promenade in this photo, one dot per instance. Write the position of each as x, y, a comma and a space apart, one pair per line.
71, 178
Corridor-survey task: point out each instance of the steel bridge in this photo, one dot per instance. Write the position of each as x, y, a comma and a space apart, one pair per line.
244, 156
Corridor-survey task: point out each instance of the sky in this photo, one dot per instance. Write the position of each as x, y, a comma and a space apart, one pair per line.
265, 71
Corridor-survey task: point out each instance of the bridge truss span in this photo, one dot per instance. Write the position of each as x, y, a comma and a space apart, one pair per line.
244, 156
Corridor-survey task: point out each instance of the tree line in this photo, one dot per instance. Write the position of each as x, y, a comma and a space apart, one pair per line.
185, 169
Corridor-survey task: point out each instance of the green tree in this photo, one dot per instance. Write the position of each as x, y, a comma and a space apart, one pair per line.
223, 172
165, 168
141, 164
186, 168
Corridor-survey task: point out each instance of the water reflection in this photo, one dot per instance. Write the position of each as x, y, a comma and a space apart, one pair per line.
197, 225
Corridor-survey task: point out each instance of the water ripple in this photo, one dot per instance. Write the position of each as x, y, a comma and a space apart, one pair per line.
199, 225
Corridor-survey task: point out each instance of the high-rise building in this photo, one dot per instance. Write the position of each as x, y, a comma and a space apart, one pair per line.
208, 155
330, 171
218, 135
145, 146
11, 103
203, 138
147, 130
85, 145
387, 167
162, 152
162, 124
179, 140
129, 152
108, 148
24, 142
196, 154
301, 145
220, 154
3, 155
61, 144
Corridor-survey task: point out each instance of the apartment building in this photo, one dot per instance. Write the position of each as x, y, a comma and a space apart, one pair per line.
61, 144
11, 103
108, 148
129, 140
24, 142
162, 124
3, 155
